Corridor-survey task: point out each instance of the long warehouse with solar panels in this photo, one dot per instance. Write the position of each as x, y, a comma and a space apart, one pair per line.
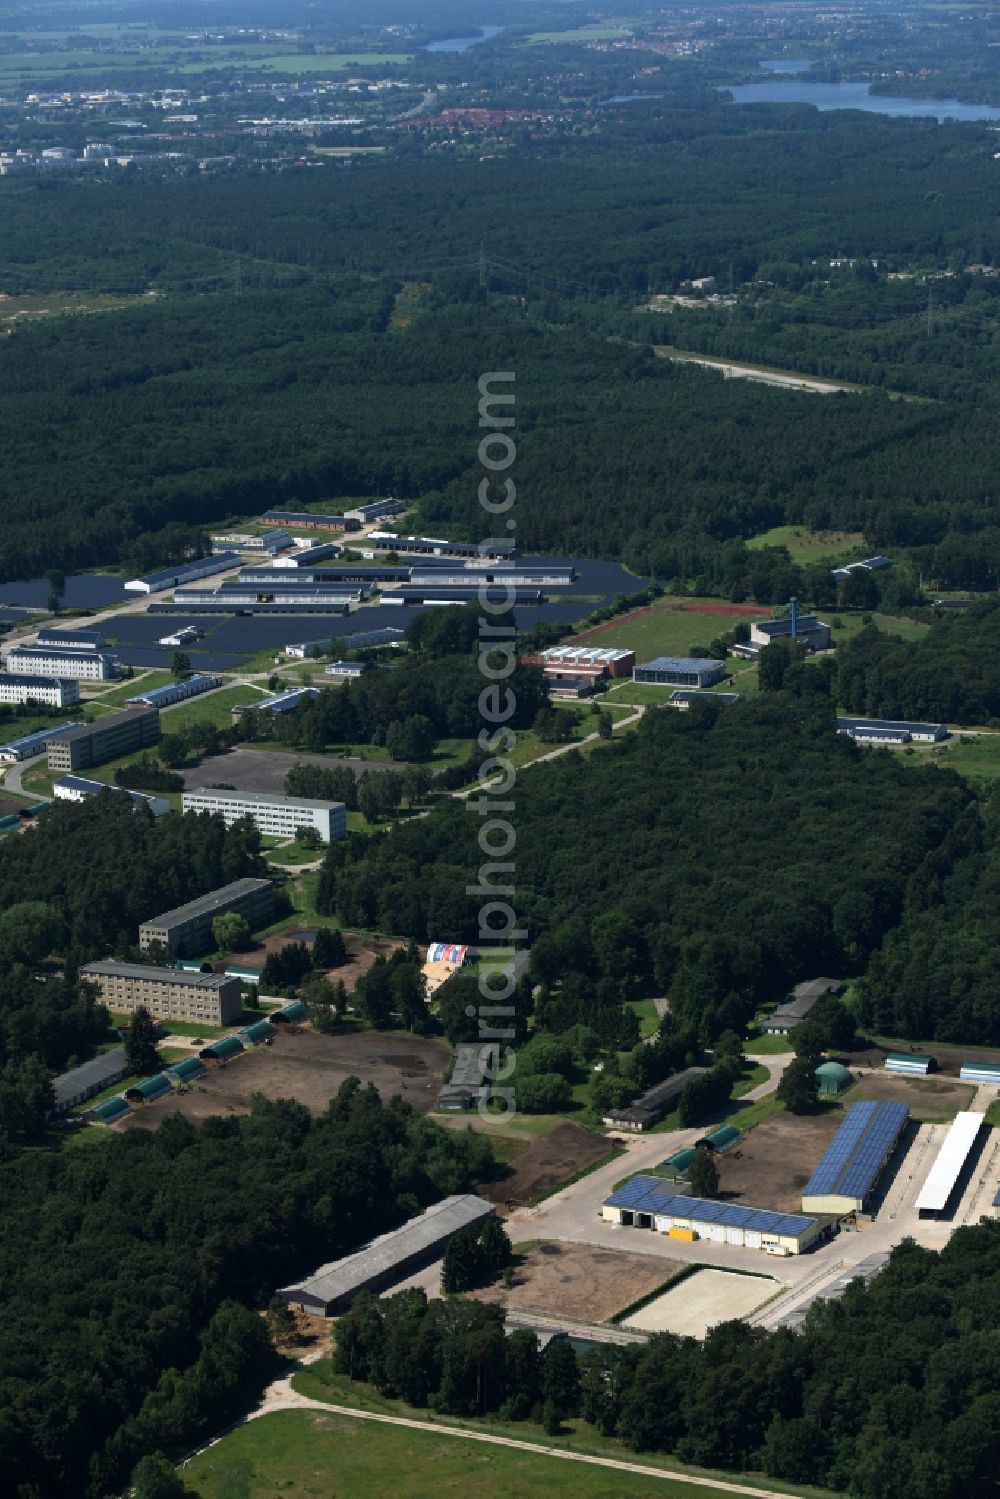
846, 1177
650, 1202
941, 1186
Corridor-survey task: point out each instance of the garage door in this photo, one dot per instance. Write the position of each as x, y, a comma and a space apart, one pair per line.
662, 1224
715, 1232
752, 1238
734, 1236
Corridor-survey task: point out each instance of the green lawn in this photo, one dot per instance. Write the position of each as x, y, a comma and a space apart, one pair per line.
294, 853
649, 1021
215, 708
319, 1382
978, 759
330, 1456
581, 34
767, 1046
143, 681
806, 546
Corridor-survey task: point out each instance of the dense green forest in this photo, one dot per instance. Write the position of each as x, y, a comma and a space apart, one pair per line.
950, 675
193, 404
127, 1271
80, 883
912, 1413
721, 857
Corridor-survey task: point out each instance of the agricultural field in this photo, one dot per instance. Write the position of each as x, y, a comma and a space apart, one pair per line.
317, 1454
580, 1282
82, 61
311, 1068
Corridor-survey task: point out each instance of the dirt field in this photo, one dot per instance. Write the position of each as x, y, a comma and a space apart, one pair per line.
771, 1166
581, 1283
311, 1068
934, 1097
949, 1059
361, 951
547, 1161
265, 770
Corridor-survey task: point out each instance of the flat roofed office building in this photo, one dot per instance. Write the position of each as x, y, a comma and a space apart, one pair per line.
93, 743
54, 692
55, 661
188, 929
274, 816
29, 745
680, 671
168, 993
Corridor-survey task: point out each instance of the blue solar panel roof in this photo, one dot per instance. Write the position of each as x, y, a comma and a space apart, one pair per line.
649, 1194
856, 1152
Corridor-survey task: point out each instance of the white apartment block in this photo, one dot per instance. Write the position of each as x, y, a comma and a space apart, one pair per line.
55, 692
273, 816
49, 661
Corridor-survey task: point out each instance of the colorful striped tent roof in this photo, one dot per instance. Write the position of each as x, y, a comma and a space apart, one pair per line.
454, 953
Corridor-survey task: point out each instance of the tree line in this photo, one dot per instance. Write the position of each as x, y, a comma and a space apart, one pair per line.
133, 1273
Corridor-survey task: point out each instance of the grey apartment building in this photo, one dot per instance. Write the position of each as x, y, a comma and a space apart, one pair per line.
188, 929
167, 993
93, 743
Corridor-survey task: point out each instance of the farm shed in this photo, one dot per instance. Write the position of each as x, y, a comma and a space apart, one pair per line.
959, 1147
387, 1259
648, 1202
909, 1063
859, 1152
833, 1077
980, 1072
222, 1051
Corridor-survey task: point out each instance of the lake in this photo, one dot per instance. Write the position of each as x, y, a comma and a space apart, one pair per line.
463, 43
852, 96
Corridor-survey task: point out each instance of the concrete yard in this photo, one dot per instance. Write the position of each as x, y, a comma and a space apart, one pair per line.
311, 1068
702, 1300
771, 1165
264, 770
580, 1283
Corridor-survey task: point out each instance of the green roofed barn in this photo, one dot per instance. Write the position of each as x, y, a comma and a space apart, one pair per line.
222, 1051
186, 1071
291, 1014
152, 1087
258, 1034
720, 1139
110, 1111
833, 1078
677, 1164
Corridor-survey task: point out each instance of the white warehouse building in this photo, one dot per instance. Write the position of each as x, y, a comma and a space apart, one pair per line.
55, 692
274, 816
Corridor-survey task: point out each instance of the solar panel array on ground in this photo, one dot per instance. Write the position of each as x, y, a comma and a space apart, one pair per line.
648, 1194
856, 1152
83, 591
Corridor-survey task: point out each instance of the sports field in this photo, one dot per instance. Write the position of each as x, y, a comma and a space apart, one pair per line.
316, 1454
671, 626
